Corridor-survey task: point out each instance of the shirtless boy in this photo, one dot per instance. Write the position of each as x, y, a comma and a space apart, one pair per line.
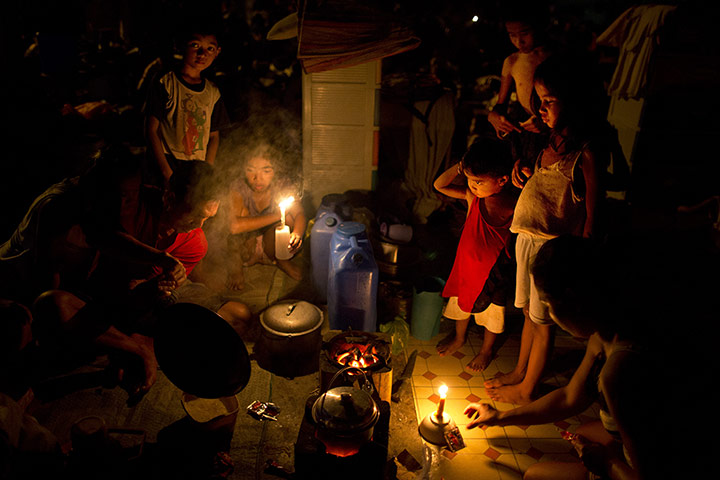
518, 70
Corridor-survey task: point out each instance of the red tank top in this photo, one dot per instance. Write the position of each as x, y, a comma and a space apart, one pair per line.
478, 250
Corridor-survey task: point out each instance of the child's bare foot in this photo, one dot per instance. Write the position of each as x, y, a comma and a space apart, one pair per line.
510, 394
480, 362
449, 344
235, 280
292, 270
501, 379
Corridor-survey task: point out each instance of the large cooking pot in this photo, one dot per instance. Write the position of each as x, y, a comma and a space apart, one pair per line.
290, 339
200, 353
345, 417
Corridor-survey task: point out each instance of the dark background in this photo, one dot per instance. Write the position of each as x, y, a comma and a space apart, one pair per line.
59, 55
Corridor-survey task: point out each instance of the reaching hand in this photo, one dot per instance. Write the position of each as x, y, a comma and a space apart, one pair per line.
530, 125
173, 275
481, 414
593, 455
520, 175
501, 124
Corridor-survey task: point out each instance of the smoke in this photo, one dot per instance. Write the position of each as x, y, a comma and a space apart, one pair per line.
273, 134
270, 131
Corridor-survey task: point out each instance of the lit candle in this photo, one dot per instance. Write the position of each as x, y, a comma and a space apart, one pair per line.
283, 206
282, 233
441, 405
282, 240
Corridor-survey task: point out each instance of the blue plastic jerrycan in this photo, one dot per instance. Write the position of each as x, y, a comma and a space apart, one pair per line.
333, 210
352, 280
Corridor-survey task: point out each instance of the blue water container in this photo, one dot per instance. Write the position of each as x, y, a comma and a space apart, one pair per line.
352, 280
333, 210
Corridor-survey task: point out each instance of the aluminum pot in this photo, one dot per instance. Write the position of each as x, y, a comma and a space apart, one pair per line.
345, 417
290, 339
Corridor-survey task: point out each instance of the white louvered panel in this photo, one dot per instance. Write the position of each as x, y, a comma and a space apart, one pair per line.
338, 104
338, 146
339, 130
356, 74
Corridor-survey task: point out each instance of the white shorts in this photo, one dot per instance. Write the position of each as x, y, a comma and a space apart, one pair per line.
492, 318
526, 249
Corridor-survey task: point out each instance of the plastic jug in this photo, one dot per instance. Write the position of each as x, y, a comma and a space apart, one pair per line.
333, 210
352, 280
427, 308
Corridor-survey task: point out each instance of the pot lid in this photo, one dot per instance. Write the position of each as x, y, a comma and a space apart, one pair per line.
199, 352
345, 409
295, 317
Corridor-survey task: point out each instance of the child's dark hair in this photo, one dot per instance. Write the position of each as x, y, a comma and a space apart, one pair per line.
530, 12
193, 183
574, 274
197, 26
488, 156
568, 78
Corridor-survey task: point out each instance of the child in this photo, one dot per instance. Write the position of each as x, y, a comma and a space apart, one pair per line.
559, 198
478, 280
184, 110
526, 132
255, 211
617, 372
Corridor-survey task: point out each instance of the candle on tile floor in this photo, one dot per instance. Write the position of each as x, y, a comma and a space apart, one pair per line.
441, 405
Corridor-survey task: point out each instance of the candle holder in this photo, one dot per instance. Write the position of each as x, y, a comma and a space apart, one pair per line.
434, 428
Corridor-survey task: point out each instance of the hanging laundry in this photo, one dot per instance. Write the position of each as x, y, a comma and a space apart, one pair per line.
635, 34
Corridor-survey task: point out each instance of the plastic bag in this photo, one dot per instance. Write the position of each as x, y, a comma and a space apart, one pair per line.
399, 331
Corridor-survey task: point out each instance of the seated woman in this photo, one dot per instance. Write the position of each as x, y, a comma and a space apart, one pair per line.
572, 279
254, 213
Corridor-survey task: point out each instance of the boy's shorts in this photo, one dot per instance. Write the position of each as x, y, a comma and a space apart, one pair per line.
492, 318
526, 249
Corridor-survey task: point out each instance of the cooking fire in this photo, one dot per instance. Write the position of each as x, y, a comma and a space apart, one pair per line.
358, 349
361, 356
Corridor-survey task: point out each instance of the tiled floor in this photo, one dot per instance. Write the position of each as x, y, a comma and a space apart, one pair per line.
491, 453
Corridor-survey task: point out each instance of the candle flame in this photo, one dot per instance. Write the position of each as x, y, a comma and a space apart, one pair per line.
443, 391
285, 203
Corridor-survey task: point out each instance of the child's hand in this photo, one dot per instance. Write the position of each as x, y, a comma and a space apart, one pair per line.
171, 279
520, 175
481, 414
501, 124
294, 243
593, 455
530, 125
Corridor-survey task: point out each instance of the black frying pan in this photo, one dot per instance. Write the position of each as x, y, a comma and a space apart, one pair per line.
200, 353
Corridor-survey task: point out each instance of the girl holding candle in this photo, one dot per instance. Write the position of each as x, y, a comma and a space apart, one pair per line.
261, 230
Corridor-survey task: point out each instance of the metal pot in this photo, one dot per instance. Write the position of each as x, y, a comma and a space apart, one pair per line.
394, 257
290, 339
345, 417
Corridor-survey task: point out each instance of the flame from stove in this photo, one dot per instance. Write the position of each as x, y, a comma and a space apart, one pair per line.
359, 356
